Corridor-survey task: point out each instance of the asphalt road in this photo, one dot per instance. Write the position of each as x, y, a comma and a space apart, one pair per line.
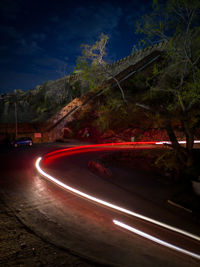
85, 228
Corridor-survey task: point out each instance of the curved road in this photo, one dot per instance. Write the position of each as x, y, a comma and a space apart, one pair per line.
82, 226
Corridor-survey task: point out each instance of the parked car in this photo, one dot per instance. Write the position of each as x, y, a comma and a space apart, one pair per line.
22, 141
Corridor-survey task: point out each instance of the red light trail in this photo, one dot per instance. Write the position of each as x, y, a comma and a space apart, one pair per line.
110, 146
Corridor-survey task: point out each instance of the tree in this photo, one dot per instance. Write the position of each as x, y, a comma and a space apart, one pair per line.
174, 90
94, 67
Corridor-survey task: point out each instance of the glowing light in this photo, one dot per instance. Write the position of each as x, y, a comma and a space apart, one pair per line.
180, 142
48, 159
156, 240
99, 145
108, 204
84, 149
49, 154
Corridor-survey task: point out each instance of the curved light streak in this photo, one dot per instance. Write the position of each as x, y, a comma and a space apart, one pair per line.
155, 239
100, 145
108, 204
115, 207
180, 142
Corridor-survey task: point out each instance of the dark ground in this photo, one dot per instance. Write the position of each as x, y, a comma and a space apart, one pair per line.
183, 194
21, 247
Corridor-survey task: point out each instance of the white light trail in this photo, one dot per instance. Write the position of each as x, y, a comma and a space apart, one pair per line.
180, 142
110, 205
155, 239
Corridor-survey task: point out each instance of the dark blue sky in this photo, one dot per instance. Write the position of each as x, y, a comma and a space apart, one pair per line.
40, 40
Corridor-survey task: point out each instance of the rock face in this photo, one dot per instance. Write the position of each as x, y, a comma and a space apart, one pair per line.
57, 123
64, 111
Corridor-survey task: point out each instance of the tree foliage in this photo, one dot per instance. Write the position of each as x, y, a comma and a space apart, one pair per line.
174, 88
91, 62
94, 67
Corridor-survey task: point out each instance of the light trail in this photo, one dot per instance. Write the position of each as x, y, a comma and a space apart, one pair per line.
113, 206
49, 154
110, 205
155, 239
100, 145
169, 143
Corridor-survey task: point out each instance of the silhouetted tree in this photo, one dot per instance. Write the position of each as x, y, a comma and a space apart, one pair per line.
174, 90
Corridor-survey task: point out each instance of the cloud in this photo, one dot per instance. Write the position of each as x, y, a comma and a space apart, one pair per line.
25, 80
9, 30
8, 34
85, 23
55, 19
17, 80
38, 71
3, 48
9, 9
137, 11
38, 36
15, 43
9, 37
25, 47
49, 63
57, 67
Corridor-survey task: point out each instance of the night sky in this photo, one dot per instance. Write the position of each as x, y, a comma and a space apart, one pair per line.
40, 40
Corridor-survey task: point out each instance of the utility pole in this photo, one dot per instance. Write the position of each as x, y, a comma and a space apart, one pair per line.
15, 106
16, 128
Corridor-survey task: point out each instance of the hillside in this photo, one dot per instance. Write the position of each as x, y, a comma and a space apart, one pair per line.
66, 103
40, 103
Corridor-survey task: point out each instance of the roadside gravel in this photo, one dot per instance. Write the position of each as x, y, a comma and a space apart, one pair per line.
21, 247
